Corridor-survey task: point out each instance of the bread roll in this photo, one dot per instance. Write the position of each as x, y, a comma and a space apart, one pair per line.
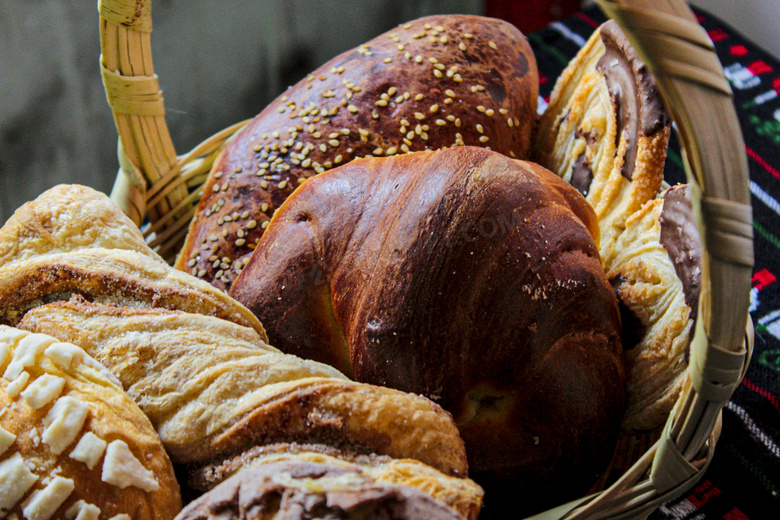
468, 277
435, 82
605, 131
72, 443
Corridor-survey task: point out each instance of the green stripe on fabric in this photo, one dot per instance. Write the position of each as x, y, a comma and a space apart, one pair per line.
675, 158
765, 481
766, 234
558, 55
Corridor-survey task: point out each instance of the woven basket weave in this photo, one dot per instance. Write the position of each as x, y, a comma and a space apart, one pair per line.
159, 187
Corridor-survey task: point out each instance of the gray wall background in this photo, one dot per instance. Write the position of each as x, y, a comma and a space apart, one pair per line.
218, 62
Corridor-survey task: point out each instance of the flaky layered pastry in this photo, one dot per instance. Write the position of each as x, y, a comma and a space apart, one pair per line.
211, 393
605, 131
72, 443
656, 273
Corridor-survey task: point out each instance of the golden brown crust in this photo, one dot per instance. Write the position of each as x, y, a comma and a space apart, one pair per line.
66, 218
611, 146
436, 82
210, 394
97, 414
465, 276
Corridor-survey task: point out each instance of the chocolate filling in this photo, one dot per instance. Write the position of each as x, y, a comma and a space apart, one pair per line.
581, 174
680, 238
633, 328
280, 490
640, 110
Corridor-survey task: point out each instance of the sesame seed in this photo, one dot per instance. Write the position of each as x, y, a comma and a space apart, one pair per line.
489, 112
282, 185
392, 91
333, 142
433, 60
440, 66
264, 207
480, 129
240, 242
424, 136
337, 159
512, 154
399, 99
382, 103
493, 46
245, 214
328, 94
387, 60
448, 101
437, 73
410, 135
480, 108
264, 185
345, 131
418, 97
265, 224
468, 36
434, 108
457, 122
218, 175
503, 111
378, 151
462, 46
419, 115
418, 59
252, 224
392, 150
280, 110
405, 148
352, 108
201, 273
449, 93
483, 139
441, 122
306, 163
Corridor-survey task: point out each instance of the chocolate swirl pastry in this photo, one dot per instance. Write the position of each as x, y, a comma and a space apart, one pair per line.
605, 131
300, 490
470, 278
436, 82
656, 273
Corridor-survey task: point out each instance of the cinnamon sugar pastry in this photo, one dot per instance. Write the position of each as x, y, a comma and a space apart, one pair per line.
72, 443
72, 239
211, 391
656, 273
605, 131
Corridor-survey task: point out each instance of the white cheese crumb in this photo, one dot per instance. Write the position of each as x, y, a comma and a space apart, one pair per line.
27, 351
15, 480
44, 503
6, 439
122, 469
82, 510
43, 390
35, 437
64, 355
63, 423
16, 386
89, 449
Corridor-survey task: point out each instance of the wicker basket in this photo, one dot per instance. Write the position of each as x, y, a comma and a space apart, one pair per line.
159, 187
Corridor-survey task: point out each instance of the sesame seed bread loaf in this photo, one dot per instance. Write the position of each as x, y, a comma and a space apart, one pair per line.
606, 131
656, 273
73, 239
466, 276
212, 388
72, 443
436, 82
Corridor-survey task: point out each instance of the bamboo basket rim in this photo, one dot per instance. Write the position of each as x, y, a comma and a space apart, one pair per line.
156, 185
